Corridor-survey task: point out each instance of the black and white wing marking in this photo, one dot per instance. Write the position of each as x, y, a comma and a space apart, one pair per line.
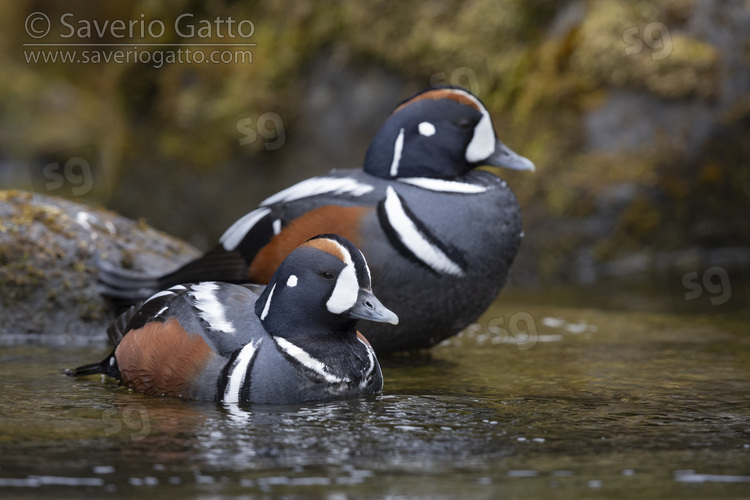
226, 315
158, 307
251, 232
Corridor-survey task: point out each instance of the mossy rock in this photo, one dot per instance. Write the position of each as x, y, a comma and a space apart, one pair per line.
49, 254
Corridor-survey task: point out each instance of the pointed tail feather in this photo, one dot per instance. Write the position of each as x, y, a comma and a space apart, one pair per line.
126, 287
120, 326
107, 367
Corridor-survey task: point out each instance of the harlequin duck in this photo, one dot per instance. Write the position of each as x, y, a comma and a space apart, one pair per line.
440, 235
295, 342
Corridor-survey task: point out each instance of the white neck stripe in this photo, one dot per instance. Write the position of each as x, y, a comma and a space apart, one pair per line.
267, 305
444, 186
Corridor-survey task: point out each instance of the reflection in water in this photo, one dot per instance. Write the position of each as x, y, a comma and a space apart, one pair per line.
565, 400
392, 431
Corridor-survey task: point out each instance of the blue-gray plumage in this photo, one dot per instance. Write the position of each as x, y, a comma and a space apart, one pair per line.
296, 341
439, 235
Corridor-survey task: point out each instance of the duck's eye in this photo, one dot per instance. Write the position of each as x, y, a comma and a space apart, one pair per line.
465, 123
327, 275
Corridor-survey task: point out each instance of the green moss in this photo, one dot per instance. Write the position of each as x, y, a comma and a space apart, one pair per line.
624, 44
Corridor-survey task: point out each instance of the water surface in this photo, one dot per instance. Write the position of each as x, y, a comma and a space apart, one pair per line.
536, 400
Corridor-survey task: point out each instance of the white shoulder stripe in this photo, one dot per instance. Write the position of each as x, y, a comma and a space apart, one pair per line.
317, 186
443, 185
239, 371
211, 310
237, 231
308, 361
413, 239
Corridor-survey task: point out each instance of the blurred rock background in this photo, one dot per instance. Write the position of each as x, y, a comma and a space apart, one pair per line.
637, 114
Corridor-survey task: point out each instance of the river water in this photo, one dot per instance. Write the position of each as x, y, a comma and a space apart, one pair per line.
574, 394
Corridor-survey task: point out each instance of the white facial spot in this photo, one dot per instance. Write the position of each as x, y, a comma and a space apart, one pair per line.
482, 145
292, 281
427, 129
346, 290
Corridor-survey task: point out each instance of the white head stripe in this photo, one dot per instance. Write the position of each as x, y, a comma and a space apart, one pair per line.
319, 185
292, 281
239, 371
211, 310
237, 231
397, 148
427, 129
346, 290
267, 306
413, 239
308, 361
